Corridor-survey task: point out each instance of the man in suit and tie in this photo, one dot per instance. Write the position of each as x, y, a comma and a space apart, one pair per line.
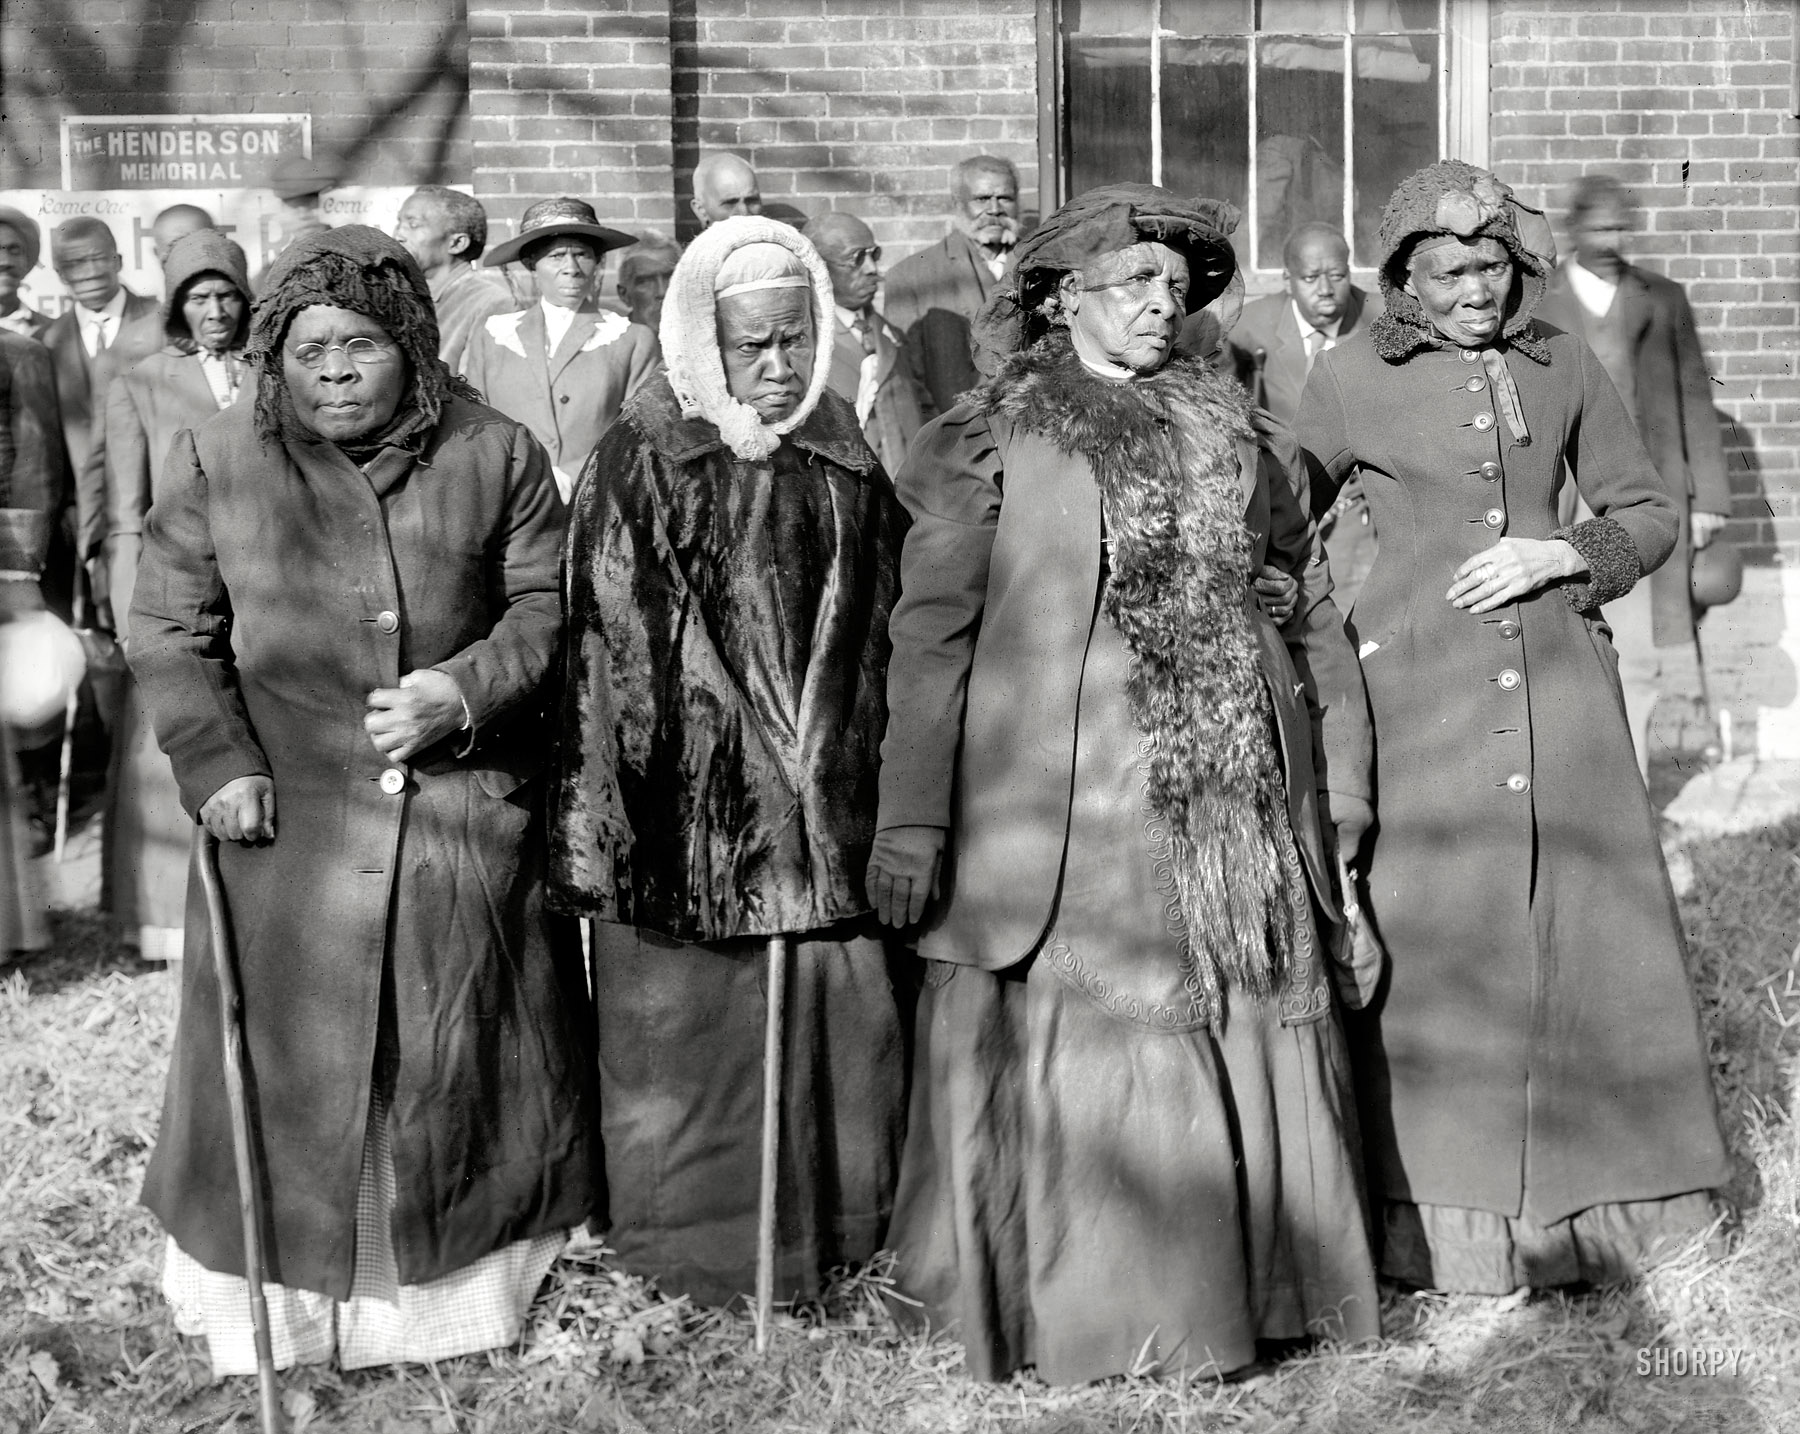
561, 367
108, 329
1642, 330
1273, 346
933, 296
870, 367
19, 249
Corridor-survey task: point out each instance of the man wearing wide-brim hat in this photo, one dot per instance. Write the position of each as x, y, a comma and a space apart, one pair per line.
561, 367
20, 244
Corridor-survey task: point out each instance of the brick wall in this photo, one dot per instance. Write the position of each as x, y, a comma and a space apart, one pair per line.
1687, 102
573, 98
388, 91
860, 105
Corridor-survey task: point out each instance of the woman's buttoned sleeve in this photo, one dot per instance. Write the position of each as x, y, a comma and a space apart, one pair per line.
950, 485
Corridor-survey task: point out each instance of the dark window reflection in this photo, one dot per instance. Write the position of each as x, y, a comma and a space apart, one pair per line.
1109, 112
1394, 119
1206, 120
1299, 139
1278, 148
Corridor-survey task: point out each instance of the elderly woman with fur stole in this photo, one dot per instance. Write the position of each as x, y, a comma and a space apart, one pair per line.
1108, 779
732, 558
1536, 1099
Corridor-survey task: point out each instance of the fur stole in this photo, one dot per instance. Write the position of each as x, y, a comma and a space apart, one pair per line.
1163, 452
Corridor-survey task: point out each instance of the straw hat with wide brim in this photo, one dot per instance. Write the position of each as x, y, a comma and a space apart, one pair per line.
550, 218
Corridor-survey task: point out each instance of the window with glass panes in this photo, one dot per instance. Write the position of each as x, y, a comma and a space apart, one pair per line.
1293, 110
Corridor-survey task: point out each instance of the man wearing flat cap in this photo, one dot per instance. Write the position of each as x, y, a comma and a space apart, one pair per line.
563, 366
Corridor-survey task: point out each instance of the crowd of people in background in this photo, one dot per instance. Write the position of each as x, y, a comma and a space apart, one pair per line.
1053, 651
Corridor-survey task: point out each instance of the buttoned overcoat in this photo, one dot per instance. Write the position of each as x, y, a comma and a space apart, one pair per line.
1536, 1050
399, 908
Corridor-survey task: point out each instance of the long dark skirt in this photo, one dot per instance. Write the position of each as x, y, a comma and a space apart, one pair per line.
681, 1040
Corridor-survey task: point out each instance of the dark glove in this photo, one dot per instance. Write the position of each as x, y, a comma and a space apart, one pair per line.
903, 872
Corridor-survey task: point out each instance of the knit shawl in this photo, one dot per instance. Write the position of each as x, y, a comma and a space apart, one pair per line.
1163, 451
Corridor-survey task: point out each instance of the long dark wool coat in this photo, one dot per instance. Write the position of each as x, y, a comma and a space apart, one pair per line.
279, 586
1536, 1050
722, 724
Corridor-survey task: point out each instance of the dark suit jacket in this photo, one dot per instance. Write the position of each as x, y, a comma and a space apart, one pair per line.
32, 472
39, 324
1267, 324
1673, 402
933, 298
902, 402
81, 385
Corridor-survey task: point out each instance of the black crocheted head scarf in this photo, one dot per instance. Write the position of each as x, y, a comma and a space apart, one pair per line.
1455, 199
363, 270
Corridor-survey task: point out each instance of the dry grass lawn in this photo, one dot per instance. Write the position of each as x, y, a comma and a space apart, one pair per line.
86, 1344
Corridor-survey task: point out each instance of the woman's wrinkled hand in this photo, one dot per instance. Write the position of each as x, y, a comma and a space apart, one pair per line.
1280, 593
903, 872
425, 708
1513, 568
243, 810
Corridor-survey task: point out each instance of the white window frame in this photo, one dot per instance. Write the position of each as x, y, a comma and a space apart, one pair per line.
1462, 99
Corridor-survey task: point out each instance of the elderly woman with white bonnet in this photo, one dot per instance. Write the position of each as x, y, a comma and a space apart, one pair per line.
731, 562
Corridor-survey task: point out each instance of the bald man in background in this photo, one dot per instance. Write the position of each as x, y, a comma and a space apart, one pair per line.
176, 222
870, 368
724, 185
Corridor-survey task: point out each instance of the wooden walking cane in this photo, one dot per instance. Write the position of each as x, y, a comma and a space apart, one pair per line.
771, 1141
231, 1024
65, 764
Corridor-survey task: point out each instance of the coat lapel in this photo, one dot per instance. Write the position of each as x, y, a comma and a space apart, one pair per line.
1632, 307
580, 331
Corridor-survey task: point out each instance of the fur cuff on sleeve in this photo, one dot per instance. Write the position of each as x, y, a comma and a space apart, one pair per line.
1613, 563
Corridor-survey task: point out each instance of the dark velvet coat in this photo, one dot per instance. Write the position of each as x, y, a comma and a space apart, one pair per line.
727, 658
395, 927
1536, 1049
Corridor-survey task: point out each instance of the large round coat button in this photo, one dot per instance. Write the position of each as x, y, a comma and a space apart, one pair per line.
1476, 383
1494, 517
1509, 679
1491, 472
387, 621
393, 781
1509, 630
1518, 782
1469, 355
563, 398
1484, 421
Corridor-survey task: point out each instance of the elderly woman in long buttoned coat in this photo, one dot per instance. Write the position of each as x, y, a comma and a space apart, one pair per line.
1536, 1102
1132, 1139
344, 619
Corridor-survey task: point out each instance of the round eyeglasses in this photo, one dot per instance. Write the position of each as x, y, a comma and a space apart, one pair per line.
357, 350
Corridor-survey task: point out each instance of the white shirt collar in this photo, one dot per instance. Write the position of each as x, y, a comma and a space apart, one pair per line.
1329, 329
102, 321
851, 318
557, 321
1594, 293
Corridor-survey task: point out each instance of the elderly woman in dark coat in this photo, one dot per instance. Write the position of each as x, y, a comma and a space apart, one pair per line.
1132, 1142
1536, 1100
732, 559
344, 617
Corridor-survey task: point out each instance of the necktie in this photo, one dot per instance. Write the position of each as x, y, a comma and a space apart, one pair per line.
1317, 341
98, 329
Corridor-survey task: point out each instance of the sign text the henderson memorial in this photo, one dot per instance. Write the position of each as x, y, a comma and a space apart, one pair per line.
104, 152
